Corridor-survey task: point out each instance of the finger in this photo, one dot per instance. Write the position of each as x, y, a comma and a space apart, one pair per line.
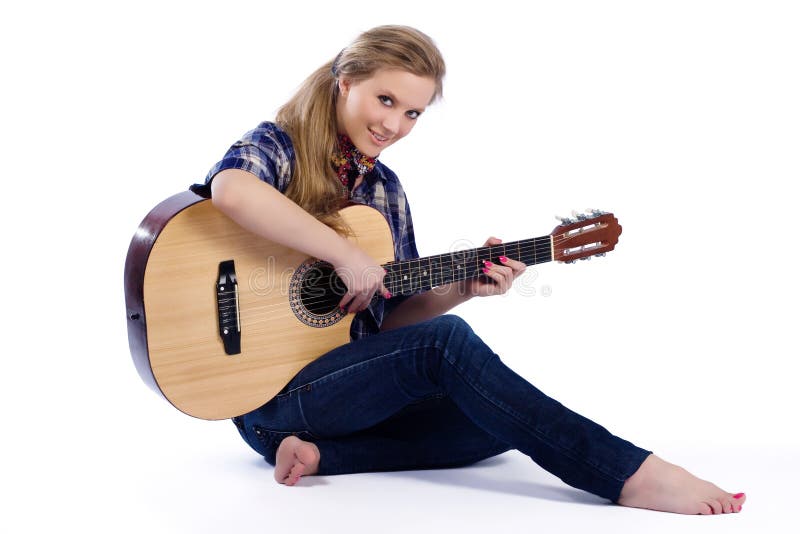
357, 304
494, 275
363, 300
492, 241
505, 271
346, 301
505, 277
517, 266
384, 292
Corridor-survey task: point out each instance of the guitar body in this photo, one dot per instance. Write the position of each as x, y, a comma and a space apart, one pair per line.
220, 320
171, 287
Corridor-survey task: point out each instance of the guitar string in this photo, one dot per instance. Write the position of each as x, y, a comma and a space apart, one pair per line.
394, 286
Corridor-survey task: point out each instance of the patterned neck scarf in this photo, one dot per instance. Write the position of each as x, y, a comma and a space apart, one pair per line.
350, 163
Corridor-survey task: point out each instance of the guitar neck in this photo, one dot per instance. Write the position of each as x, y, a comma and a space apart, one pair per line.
412, 276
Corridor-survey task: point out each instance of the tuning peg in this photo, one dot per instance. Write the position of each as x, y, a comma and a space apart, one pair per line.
564, 220
600, 254
587, 258
594, 212
579, 216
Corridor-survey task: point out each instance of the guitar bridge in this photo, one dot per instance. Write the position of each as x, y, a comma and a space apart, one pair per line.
228, 308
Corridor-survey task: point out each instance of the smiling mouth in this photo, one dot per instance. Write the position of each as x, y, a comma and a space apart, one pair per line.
378, 137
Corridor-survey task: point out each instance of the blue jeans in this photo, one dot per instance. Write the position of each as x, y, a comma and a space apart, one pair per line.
433, 395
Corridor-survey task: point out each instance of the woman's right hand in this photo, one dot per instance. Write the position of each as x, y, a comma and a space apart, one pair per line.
362, 276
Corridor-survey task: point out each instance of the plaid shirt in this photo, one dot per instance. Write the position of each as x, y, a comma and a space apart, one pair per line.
268, 153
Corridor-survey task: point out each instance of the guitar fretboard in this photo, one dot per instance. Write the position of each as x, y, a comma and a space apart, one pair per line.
413, 276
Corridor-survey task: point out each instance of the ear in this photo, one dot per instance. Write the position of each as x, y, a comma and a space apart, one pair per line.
344, 85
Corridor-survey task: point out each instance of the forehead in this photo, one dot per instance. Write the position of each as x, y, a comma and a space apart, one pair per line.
407, 89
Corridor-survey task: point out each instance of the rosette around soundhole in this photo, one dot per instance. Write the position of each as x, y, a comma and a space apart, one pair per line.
315, 292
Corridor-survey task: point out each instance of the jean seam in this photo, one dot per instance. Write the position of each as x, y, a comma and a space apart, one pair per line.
520, 421
361, 364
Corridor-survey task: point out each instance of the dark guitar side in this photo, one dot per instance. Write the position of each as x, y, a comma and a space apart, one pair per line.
135, 265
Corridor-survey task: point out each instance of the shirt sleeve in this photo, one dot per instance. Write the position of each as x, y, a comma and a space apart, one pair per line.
266, 152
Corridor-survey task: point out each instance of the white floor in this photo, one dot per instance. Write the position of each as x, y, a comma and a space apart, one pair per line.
155, 471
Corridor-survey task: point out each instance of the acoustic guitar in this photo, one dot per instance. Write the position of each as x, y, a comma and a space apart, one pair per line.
220, 320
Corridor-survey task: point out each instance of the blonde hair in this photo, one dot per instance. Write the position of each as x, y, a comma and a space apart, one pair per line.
309, 117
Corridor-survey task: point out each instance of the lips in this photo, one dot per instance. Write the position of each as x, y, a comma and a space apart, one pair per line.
379, 138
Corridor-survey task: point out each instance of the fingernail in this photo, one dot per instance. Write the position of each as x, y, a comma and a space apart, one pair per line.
488, 263
485, 270
738, 496
502, 259
740, 507
387, 295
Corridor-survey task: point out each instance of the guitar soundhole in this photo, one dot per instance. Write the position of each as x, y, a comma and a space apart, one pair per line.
315, 293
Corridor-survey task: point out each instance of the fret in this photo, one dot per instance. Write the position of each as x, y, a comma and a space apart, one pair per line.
411, 276
405, 279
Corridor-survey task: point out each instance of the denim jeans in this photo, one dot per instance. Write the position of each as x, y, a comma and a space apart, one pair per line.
434, 395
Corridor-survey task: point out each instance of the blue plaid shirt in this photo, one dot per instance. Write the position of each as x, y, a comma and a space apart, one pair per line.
268, 153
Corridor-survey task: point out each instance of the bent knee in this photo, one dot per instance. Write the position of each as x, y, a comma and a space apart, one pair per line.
451, 327
451, 322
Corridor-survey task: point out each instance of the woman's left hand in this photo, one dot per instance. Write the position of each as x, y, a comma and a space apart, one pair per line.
501, 276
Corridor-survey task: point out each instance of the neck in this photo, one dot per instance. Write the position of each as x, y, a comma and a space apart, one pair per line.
412, 276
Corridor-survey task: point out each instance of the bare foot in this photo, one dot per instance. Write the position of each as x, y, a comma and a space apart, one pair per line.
660, 485
294, 459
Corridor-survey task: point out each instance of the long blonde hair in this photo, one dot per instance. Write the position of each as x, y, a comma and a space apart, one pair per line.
309, 117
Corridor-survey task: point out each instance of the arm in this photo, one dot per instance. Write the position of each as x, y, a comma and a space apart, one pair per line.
428, 305
263, 210
243, 197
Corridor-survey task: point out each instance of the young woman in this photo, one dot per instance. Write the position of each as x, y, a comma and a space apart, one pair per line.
415, 388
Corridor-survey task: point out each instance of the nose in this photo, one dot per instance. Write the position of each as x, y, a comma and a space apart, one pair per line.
391, 124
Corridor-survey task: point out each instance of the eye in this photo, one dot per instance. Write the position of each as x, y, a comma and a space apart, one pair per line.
387, 101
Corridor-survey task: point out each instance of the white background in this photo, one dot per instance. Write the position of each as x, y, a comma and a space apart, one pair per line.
681, 117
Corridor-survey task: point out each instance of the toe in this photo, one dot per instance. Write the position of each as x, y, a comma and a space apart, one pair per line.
715, 505
705, 509
727, 507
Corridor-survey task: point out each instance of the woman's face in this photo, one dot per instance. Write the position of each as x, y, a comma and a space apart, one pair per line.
380, 110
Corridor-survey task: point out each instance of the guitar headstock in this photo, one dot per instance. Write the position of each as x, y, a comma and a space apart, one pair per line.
585, 236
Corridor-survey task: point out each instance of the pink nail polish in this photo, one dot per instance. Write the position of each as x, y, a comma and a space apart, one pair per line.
488, 263
485, 270
738, 496
387, 295
503, 259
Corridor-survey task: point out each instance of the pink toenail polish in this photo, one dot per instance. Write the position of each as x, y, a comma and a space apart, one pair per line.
738, 496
